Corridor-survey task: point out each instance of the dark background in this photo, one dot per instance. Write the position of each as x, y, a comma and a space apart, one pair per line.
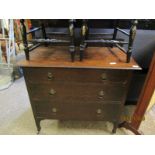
148, 24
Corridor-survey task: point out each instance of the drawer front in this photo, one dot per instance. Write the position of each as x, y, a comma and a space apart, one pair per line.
71, 92
50, 75
110, 111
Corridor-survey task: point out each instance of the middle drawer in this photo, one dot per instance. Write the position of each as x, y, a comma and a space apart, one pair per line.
70, 91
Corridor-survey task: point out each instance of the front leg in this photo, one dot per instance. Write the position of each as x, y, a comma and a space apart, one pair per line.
37, 120
115, 126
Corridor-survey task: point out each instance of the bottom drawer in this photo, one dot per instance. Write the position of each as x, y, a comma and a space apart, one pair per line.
108, 112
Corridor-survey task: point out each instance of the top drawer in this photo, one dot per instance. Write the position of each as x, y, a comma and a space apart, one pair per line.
48, 75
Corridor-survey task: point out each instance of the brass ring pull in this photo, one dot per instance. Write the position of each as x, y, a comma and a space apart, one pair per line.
54, 110
125, 82
99, 111
104, 76
101, 94
52, 92
50, 76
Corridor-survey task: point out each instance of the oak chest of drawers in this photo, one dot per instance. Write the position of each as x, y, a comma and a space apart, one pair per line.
94, 89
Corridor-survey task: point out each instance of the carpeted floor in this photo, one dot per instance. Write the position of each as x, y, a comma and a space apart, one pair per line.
16, 118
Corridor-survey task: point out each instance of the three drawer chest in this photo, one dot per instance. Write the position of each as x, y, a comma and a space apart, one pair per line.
92, 90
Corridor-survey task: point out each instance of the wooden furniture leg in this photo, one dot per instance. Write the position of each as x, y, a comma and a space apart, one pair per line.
72, 39
84, 33
143, 102
131, 39
37, 120
44, 32
145, 97
115, 126
128, 126
116, 24
24, 36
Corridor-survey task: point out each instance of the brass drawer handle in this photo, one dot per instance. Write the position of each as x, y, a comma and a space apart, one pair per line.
54, 110
104, 76
125, 82
99, 111
52, 92
50, 76
101, 94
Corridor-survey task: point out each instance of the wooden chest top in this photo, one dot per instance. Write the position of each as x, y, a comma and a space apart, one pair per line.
95, 57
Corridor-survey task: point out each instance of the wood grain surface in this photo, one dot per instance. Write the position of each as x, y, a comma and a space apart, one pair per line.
95, 57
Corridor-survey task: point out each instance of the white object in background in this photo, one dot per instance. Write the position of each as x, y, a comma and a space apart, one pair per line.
6, 68
0, 53
10, 41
